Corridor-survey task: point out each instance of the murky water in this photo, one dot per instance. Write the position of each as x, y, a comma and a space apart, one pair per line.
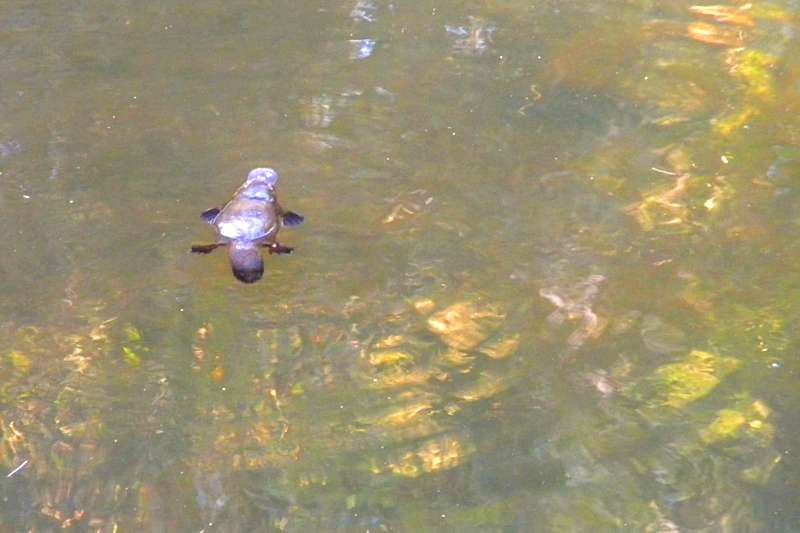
547, 279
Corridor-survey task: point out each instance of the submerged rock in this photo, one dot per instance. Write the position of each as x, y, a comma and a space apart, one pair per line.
463, 326
681, 383
660, 337
486, 385
501, 348
443, 452
749, 421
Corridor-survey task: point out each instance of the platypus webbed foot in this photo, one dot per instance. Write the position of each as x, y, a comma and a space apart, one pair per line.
206, 248
209, 215
290, 218
276, 248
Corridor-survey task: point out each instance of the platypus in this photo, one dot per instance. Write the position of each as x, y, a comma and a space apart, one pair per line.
248, 222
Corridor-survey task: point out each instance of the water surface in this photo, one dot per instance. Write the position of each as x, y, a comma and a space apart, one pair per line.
546, 281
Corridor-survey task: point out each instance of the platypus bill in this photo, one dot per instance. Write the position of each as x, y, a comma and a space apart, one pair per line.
248, 222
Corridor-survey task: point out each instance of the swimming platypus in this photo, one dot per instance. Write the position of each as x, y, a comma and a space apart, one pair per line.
248, 222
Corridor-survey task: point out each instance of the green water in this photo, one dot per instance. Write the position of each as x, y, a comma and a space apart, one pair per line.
547, 280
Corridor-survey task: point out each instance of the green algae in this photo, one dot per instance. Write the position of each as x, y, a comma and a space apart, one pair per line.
750, 420
19, 361
678, 384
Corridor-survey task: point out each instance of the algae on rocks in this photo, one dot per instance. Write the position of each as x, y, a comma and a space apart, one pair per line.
681, 383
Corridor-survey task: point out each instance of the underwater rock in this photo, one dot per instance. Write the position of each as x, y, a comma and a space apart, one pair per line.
749, 421
502, 348
424, 306
463, 326
660, 337
485, 386
440, 453
725, 14
390, 357
679, 384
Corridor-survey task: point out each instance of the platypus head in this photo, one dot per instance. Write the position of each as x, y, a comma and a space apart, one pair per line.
246, 261
260, 184
262, 175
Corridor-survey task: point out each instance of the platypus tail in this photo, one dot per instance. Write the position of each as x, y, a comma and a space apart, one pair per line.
246, 261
